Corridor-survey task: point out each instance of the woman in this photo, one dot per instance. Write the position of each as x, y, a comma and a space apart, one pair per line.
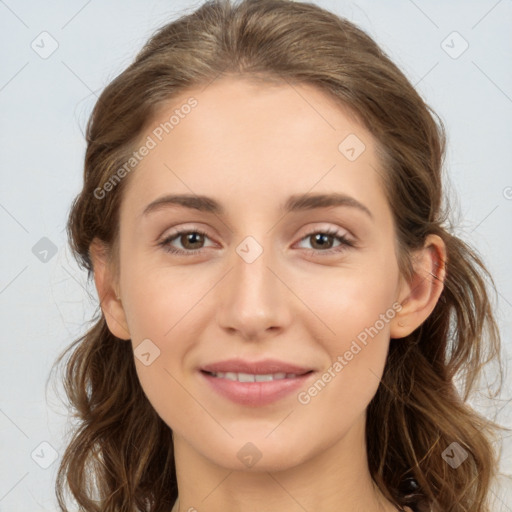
232, 367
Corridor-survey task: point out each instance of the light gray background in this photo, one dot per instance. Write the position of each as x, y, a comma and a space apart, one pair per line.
45, 103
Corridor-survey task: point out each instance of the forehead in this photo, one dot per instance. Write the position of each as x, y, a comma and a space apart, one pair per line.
256, 143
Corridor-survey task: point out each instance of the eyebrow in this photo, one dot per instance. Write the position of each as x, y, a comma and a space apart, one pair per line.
294, 203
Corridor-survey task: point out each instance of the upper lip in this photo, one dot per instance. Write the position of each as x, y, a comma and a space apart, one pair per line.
265, 366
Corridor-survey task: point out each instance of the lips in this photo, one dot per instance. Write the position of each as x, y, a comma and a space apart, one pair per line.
255, 383
252, 377
264, 367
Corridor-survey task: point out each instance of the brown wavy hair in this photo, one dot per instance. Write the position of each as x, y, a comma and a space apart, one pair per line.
120, 454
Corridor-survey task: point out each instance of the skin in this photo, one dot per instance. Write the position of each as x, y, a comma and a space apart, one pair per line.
300, 306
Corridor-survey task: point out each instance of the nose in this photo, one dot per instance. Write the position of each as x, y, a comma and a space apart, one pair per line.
253, 299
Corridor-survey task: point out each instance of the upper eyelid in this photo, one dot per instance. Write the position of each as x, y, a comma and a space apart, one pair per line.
187, 228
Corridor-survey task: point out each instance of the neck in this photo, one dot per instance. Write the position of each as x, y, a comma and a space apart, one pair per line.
335, 479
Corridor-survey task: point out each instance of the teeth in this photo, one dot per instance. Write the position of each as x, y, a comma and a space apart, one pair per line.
263, 378
246, 377
251, 377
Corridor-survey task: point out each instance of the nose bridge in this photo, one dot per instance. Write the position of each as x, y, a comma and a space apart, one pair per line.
252, 299
252, 279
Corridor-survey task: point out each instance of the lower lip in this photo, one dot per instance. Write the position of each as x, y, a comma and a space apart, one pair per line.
255, 393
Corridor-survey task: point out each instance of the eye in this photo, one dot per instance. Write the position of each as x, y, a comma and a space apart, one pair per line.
191, 238
187, 238
321, 238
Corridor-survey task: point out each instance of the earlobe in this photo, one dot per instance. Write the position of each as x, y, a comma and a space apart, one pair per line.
110, 302
420, 296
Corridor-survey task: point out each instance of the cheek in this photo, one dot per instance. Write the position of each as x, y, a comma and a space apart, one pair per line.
357, 357
357, 308
164, 324
158, 298
351, 301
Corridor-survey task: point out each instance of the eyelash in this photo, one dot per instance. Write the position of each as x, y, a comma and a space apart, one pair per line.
345, 242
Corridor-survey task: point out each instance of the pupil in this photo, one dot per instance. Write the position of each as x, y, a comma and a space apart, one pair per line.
321, 236
191, 236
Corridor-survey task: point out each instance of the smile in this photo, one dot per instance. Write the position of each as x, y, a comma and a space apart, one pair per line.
255, 390
252, 377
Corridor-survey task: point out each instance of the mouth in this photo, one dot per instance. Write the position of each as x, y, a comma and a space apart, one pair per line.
273, 367
255, 377
255, 383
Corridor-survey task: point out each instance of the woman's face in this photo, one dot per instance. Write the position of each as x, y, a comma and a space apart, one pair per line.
268, 290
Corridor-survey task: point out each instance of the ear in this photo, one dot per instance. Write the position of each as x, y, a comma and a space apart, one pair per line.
419, 296
107, 290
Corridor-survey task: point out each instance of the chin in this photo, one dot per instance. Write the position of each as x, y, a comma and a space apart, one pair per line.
257, 454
